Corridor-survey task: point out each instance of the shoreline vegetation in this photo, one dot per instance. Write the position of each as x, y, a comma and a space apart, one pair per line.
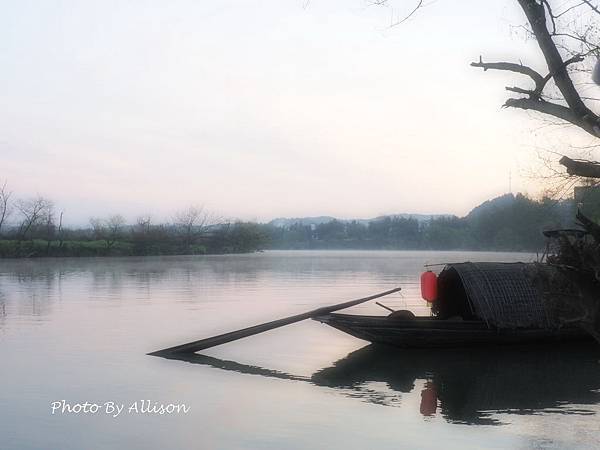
32, 228
506, 223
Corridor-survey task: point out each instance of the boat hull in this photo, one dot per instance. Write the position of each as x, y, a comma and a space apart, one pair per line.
429, 332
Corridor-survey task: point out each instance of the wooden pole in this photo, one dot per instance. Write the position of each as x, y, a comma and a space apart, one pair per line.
203, 344
385, 307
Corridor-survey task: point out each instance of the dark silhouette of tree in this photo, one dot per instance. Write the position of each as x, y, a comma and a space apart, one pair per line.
5, 205
565, 41
192, 223
34, 212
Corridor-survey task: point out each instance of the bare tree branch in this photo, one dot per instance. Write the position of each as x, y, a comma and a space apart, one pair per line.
536, 16
519, 90
537, 78
592, 7
560, 14
410, 14
543, 106
395, 22
580, 168
575, 111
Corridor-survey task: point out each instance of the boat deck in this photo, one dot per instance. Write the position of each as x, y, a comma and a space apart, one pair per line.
426, 332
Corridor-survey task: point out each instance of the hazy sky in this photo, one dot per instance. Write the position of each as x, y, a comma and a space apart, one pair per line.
259, 109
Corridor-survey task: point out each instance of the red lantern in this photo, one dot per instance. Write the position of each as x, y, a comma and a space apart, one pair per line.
429, 286
428, 399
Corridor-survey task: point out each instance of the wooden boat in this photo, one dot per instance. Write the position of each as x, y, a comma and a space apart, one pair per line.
477, 304
432, 332
474, 303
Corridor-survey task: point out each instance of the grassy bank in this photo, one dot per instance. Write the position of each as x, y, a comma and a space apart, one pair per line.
239, 238
43, 248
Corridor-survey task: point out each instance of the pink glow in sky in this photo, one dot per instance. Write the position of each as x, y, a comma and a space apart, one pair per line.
260, 109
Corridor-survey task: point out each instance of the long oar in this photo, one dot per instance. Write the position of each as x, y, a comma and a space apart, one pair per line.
203, 344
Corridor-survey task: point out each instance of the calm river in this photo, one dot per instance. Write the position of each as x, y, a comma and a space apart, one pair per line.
78, 330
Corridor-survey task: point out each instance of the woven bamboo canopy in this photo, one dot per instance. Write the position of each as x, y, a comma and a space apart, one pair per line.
504, 295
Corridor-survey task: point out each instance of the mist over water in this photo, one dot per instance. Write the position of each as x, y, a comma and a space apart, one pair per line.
79, 329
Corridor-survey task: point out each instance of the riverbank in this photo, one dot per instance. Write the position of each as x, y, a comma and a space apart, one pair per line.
506, 223
39, 248
42, 248
149, 241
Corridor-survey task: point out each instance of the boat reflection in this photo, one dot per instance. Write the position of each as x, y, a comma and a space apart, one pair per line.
468, 386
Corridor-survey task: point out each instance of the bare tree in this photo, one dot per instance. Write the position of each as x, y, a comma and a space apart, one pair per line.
109, 230
192, 222
5, 205
34, 212
97, 225
143, 224
50, 227
115, 225
567, 33
60, 230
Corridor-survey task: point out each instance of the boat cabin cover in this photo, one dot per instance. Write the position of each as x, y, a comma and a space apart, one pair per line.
503, 295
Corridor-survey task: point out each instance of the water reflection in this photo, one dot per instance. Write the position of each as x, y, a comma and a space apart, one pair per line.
467, 386
2, 307
89, 323
32, 287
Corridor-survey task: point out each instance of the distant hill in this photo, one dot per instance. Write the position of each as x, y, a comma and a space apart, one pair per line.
501, 202
507, 222
286, 222
561, 212
418, 217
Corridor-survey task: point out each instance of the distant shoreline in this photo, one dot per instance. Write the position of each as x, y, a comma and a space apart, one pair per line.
38, 249
509, 223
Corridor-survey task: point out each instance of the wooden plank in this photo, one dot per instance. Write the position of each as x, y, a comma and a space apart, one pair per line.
203, 344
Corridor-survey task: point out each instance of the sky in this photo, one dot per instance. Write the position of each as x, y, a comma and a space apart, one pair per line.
263, 109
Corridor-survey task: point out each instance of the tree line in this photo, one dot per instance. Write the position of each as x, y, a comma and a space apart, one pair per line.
32, 227
508, 223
